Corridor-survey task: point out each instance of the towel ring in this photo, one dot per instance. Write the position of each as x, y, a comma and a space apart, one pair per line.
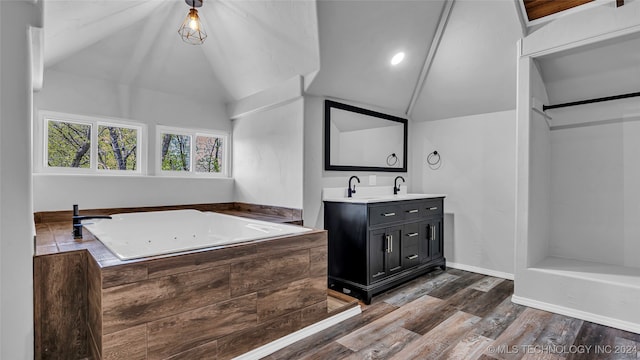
392, 159
433, 159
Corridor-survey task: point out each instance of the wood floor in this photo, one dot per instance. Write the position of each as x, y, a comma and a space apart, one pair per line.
461, 315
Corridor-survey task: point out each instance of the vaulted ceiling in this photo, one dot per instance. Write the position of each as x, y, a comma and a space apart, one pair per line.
474, 70
358, 40
343, 45
252, 45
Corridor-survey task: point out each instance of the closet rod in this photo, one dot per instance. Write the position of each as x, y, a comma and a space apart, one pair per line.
590, 101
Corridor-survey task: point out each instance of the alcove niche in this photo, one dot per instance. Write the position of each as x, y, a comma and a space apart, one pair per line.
578, 198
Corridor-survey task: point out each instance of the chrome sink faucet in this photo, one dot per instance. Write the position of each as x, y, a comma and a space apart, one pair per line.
77, 221
396, 187
351, 191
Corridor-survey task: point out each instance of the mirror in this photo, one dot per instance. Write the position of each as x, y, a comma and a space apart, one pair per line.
358, 139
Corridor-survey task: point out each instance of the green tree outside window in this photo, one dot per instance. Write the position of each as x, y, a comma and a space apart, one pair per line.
208, 156
68, 145
117, 148
176, 152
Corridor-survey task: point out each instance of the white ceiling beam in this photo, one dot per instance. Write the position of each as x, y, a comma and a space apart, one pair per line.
521, 12
36, 38
282, 93
435, 42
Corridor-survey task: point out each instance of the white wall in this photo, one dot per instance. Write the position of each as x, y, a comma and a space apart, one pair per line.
60, 192
595, 197
539, 176
16, 232
268, 154
315, 177
478, 176
74, 94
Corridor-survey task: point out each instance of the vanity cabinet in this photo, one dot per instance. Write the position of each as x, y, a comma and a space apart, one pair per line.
383, 261
374, 246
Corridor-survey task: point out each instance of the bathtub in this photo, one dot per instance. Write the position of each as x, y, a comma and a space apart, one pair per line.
138, 235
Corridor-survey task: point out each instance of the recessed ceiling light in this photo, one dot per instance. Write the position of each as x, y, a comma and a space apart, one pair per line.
397, 58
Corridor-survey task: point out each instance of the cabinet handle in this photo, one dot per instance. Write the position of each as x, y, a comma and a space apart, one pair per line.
433, 232
389, 239
412, 211
433, 208
412, 234
389, 214
378, 274
414, 256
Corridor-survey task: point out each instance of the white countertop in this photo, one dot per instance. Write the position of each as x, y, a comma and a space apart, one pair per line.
367, 195
386, 198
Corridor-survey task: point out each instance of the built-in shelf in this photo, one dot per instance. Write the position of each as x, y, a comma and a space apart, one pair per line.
588, 270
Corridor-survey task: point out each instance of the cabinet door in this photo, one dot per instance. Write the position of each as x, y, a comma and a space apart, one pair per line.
394, 254
377, 254
385, 253
436, 248
424, 248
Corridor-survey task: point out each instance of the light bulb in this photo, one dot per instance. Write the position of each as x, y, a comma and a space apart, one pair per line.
193, 24
397, 58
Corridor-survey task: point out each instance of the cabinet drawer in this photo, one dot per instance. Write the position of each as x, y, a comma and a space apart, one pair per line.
411, 245
385, 214
411, 235
410, 256
413, 210
432, 207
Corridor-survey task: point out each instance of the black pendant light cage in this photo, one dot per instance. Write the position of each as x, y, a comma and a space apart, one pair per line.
191, 30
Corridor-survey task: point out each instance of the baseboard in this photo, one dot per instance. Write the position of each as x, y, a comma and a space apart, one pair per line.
579, 314
285, 341
480, 270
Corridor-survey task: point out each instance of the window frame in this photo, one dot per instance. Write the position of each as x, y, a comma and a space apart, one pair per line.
193, 134
41, 163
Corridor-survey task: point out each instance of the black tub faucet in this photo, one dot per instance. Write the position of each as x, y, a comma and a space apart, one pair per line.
351, 191
396, 187
77, 221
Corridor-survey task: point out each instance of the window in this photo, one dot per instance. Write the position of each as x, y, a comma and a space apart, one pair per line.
68, 144
117, 148
208, 154
90, 145
191, 152
176, 152
75, 144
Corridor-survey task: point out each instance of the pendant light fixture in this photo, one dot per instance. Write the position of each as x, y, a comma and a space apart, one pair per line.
191, 30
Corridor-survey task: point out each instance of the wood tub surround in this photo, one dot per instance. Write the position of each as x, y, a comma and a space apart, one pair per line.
219, 302
214, 303
60, 329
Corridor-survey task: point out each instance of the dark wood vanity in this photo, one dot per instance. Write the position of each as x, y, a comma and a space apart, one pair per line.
374, 246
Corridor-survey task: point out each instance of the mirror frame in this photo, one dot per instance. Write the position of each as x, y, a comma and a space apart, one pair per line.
328, 105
